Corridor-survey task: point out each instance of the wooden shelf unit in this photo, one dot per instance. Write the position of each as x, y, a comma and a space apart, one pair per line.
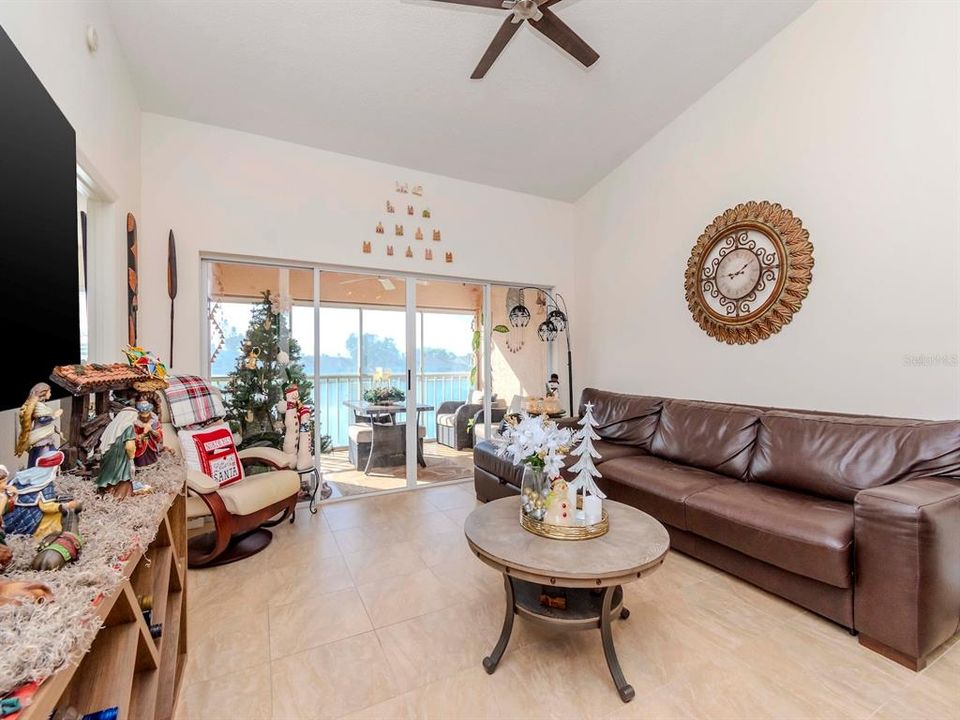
125, 667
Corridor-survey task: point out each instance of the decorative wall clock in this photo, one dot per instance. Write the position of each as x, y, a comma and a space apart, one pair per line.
749, 272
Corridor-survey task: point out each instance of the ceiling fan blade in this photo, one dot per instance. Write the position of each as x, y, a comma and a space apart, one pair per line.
498, 4
496, 46
561, 34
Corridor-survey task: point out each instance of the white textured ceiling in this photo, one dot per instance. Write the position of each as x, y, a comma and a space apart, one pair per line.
389, 79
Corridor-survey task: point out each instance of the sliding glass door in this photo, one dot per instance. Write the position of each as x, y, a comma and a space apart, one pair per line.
402, 375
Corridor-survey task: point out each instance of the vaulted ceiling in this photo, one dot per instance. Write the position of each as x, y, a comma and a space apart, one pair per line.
390, 80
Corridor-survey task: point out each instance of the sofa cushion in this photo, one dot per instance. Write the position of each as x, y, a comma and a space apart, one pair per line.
837, 456
710, 436
656, 486
630, 419
806, 535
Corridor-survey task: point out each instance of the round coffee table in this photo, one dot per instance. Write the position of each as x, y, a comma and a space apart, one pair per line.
589, 573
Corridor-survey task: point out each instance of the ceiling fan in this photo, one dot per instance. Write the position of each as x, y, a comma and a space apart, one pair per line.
541, 19
386, 283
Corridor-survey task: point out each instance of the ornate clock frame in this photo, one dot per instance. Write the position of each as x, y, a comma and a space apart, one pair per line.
785, 266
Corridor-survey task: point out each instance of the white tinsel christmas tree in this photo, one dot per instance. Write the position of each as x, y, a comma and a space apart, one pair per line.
584, 467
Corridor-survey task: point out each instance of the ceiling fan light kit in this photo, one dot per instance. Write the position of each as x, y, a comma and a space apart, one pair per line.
541, 19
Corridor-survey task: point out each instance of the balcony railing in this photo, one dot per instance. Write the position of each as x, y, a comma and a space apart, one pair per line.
334, 417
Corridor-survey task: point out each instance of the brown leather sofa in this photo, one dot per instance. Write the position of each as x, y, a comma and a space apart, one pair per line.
855, 518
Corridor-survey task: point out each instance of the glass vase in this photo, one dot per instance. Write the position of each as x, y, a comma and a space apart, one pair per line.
534, 487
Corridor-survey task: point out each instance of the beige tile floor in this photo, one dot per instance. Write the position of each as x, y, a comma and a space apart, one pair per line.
374, 608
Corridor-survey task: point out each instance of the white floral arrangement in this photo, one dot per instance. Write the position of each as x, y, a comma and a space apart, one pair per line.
535, 440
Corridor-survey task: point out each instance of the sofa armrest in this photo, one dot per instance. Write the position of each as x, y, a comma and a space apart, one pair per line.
496, 416
265, 456
465, 412
448, 407
907, 544
200, 483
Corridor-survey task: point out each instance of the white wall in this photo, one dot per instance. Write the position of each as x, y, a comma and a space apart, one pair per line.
95, 94
223, 191
850, 118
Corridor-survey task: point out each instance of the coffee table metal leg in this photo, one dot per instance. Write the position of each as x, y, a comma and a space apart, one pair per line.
606, 634
490, 662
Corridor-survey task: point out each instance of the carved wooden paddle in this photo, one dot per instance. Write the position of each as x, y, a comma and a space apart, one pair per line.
171, 284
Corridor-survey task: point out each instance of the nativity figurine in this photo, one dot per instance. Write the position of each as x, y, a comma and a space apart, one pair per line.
38, 429
8, 496
38, 509
147, 433
118, 448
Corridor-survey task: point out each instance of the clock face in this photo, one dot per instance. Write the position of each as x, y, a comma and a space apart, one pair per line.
739, 274
748, 272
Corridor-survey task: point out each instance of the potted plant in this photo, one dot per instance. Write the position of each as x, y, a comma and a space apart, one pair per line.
384, 395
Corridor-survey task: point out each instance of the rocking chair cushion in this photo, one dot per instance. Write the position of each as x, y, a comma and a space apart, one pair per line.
212, 451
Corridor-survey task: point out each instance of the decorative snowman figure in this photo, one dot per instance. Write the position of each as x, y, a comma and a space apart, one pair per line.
296, 429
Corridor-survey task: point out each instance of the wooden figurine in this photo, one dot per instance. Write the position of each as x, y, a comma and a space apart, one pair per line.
147, 433
428, 254
118, 447
418, 234
8, 496
59, 548
417, 190
37, 509
409, 252
448, 257
38, 429
390, 250
398, 230
436, 236
379, 228
409, 209
16, 593
401, 187
367, 248
390, 208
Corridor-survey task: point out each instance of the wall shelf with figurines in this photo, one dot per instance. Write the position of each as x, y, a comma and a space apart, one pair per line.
400, 207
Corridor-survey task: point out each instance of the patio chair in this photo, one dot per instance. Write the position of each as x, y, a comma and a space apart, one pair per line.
453, 420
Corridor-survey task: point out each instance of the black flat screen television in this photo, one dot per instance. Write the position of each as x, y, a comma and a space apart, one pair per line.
39, 274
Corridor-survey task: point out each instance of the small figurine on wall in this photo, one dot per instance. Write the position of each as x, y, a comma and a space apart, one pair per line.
426, 213
390, 207
428, 254
418, 234
436, 236
409, 209
118, 446
401, 187
417, 190
448, 257
379, 228
409, 252
367, 248
389, 250
38, 430
398, 230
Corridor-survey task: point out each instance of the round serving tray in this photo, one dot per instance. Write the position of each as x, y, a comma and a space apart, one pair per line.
565, 532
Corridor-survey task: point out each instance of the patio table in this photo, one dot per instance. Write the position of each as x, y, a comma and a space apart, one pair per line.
389, 438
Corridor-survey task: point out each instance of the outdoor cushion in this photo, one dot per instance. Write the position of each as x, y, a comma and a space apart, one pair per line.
360, 433
804, 534
446, 419
656, 486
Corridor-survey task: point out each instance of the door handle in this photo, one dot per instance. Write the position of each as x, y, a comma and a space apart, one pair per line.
409, 375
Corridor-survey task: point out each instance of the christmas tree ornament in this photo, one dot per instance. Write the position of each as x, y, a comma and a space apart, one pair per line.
586, 468
283, 358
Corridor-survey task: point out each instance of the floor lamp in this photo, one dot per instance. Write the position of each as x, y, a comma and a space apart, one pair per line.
557, 321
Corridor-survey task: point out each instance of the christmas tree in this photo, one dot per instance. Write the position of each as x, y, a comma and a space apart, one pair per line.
584, 467
265, 366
